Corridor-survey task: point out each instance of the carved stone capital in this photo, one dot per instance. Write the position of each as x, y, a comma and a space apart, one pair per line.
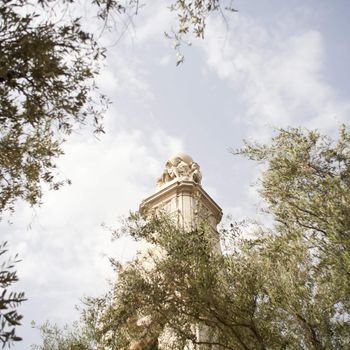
182, 168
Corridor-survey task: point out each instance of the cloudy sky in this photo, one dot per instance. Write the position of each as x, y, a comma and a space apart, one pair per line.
272, 64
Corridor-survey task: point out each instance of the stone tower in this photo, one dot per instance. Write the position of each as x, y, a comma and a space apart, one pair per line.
180, 194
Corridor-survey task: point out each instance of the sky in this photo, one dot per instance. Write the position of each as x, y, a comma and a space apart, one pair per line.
272, 64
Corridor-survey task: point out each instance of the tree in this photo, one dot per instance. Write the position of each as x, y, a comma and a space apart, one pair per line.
285, 288
48, 66
46, 89
81, 335
47, 69
9, 317
288, 288
306, 188
47, 83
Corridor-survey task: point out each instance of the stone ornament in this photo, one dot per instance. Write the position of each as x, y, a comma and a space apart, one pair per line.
180, 167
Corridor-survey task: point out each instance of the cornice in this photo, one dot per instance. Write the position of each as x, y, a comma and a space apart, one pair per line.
180, 187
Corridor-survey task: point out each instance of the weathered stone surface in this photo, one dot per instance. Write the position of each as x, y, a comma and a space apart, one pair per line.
180, 194
180, 167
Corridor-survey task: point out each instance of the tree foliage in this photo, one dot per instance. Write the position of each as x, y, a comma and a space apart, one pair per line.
46, 89
307, 189
48, 66
9, 300
285, 288
81, 335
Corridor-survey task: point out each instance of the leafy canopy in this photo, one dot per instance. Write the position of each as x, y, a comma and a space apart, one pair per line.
285, 288
48, 66
46, 89
9, 301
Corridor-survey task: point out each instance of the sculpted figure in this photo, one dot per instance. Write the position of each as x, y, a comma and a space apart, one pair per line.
180, 167
166, 176
196, 174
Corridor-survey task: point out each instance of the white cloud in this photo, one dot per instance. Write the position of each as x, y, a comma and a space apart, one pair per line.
155, 18
164, 61
278, 75
166, 145
127, 76
65, 252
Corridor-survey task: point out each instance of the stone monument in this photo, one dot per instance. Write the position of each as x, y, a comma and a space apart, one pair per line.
180, 194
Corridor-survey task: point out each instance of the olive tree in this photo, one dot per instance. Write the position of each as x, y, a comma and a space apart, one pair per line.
48, 66
286, 287
9, 300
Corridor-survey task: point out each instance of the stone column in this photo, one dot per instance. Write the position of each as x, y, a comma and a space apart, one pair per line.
181, 195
